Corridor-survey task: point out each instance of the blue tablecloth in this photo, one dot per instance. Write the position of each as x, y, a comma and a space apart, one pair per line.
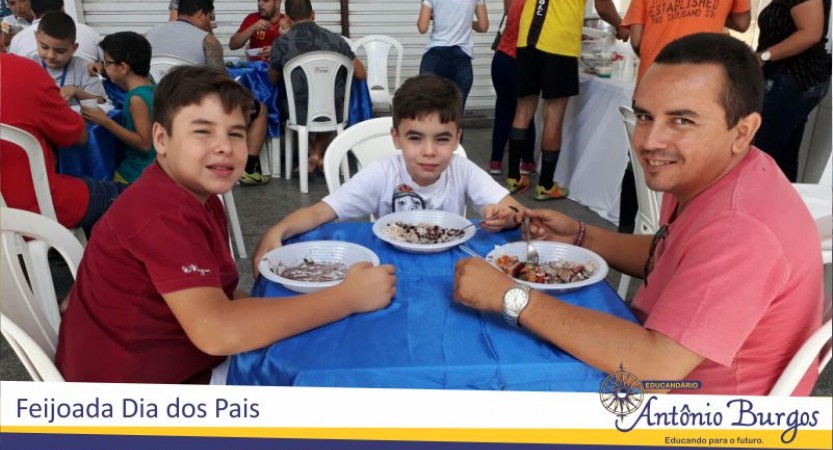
98, 158
254, 77
423, 339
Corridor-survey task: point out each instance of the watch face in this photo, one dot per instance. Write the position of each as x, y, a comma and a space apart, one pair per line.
515, 299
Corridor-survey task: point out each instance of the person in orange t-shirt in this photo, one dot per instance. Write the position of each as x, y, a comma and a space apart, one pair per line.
654, 24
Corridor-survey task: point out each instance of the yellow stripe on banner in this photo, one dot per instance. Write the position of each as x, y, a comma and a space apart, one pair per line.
733, 438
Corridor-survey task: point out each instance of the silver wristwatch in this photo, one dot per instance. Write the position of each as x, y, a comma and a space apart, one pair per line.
514, 301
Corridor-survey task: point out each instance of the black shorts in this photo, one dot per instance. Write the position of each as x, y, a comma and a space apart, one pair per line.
550, 75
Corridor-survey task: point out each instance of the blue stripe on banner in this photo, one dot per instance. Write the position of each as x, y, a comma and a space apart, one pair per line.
26, 441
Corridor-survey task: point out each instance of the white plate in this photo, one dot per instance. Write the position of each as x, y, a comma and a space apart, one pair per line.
552, 251
254, 51
441, 218
318, 251
232, 59
107, 107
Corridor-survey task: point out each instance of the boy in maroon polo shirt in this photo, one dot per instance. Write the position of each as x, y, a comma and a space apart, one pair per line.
260, 29
152, 300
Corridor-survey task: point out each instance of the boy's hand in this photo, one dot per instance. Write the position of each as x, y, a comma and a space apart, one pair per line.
368, 288
550, 225
95, 68
272, 239
479, 285
69, 92
94, 114
497, 216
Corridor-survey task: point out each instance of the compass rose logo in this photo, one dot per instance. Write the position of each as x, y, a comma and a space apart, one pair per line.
621, 392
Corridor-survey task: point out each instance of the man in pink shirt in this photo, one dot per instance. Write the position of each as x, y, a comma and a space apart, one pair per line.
733, 279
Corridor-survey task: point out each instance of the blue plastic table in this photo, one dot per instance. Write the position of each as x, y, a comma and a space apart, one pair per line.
97, 159
423, 339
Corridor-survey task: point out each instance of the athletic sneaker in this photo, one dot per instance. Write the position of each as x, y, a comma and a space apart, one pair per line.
495, 168
517, 186
554, 193
254, 177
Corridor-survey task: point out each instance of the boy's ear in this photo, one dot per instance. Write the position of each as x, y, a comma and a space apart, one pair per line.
394, 134
160, 138
74, 47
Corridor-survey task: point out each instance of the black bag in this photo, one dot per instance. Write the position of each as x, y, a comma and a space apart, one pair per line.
499, 34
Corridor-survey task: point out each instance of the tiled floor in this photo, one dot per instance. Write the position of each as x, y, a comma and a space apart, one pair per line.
259, 207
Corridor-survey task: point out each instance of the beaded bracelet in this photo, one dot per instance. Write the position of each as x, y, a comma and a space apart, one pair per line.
582, 229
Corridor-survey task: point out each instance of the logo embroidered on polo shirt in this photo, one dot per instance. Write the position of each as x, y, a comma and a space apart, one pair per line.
194, 269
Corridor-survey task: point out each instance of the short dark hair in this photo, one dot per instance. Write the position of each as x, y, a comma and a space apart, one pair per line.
427, 94
189, 85
743, 84
58, 25
298, 9
191, 7
128, 47
41, 7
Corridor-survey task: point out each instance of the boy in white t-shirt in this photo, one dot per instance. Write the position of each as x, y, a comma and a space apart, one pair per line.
427, 112
56, 54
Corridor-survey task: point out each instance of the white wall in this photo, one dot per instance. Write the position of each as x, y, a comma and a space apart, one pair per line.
395, 18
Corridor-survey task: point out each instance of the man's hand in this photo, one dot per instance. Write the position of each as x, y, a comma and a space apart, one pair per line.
94, 114
368, 288
69, 92
264, 52
496, 216
479, 285
622, 33
551, 225
260, 25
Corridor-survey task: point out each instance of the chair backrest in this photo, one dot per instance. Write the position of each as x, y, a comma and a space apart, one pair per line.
350, 42
39, 365
818, 345
368, 141
37, 166
321, 71
162, 64
648, 201
377, 48
28, 293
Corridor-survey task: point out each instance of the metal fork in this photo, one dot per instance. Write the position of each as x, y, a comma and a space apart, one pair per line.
531, 253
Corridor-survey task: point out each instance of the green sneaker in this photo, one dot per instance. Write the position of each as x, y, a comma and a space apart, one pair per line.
554, 193
517, 186
254, 177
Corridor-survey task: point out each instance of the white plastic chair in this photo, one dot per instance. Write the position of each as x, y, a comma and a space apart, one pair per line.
368, 141
32, 304
320, 69
39, 365
819, 200
37, 167
377, 47
648, 201
227, 200
160, 65
816, 346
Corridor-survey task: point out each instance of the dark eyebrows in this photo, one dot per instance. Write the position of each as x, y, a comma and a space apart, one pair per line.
673, 113
682, 113
238, 126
